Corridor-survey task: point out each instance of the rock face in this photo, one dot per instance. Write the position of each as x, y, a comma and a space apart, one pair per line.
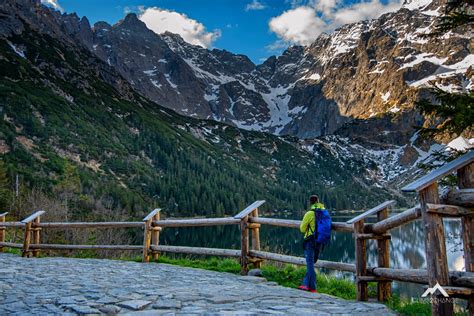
354, 87
362, 70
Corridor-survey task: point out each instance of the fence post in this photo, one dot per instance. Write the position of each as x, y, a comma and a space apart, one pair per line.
384, 288
257, 263
435, 249
155, 237
26, 240
28, 232
148, 232
36, 235
244, 242
2, 229
146, 240
243, 216
466, 181
361, 261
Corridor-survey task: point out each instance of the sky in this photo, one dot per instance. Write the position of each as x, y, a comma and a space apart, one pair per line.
256, 28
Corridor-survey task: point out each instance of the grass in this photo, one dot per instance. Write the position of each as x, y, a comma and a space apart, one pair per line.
405, 307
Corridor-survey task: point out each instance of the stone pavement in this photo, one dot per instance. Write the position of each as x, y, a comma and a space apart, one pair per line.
45, 286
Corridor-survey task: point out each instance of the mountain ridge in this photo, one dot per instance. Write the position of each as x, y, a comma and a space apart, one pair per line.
58, 58
307, 91
63, 106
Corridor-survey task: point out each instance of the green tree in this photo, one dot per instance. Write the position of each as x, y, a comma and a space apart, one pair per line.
5, 192
455, 109
69, 185
458, 13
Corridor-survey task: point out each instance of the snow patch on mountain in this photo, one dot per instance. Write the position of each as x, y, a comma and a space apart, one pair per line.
445, 71
20, 52
416, 4
387, 160
277, 100
423, 57
385, 96
461, 144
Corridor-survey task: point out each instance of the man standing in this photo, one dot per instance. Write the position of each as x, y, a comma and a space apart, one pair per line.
312, 242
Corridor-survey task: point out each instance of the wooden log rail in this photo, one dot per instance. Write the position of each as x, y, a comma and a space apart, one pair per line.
60, 225
420, 276
336, 226
198, 251
33, 226
395, 221
197, 222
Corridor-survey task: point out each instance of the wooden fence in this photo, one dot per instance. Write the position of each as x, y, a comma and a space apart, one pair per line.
432, 209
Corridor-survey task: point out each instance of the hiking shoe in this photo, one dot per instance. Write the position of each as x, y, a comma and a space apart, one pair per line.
313, 291
304, 288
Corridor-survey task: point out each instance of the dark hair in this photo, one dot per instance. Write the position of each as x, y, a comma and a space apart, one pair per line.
313, 199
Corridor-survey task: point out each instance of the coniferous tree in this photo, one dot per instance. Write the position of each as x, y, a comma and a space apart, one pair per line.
454, 108
457, 13
5, 191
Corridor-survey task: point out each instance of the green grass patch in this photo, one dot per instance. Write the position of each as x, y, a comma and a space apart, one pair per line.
405, 307
214, 264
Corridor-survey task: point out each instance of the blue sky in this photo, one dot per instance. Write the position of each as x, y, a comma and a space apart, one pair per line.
256, 28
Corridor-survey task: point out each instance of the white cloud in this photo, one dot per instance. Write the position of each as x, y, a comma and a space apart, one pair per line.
363, 11
325, 6
255, 5
300, 25
303, 24
53, 4
192, 31
277, 46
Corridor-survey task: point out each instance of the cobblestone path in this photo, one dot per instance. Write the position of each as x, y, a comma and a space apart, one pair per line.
45, 286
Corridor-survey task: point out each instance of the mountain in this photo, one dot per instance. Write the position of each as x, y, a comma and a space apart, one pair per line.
63, 105
368, 69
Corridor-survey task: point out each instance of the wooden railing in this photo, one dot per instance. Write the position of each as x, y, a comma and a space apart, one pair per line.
432, 209
432, 214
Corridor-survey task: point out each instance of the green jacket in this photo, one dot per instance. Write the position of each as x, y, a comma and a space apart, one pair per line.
307, 224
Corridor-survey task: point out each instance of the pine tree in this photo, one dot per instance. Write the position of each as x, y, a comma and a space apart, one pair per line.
5, 191
458, 13
69, 185
456, 109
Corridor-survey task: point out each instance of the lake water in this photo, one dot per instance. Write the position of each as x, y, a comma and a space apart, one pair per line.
407, 248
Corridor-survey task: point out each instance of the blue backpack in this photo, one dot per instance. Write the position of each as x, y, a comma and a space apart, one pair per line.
322, 233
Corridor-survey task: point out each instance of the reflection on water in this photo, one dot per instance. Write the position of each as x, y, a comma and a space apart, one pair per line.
406, 246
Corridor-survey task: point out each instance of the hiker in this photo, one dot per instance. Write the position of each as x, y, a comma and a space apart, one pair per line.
316, 227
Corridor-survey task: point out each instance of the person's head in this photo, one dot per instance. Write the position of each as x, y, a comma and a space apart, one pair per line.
313, 199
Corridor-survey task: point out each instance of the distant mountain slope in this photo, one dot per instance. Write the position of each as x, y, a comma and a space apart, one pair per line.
60, 103
362, 70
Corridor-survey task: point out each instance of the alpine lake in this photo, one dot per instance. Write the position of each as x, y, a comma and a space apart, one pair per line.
407, 249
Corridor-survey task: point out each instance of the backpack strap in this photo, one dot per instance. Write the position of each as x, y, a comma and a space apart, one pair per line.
315, 224
308, 228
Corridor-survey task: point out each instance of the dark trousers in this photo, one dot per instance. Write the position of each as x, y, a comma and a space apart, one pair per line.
311, 253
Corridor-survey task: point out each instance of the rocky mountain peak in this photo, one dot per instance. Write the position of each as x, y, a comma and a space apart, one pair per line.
365, 70
131, 22
101, 25
361, 70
